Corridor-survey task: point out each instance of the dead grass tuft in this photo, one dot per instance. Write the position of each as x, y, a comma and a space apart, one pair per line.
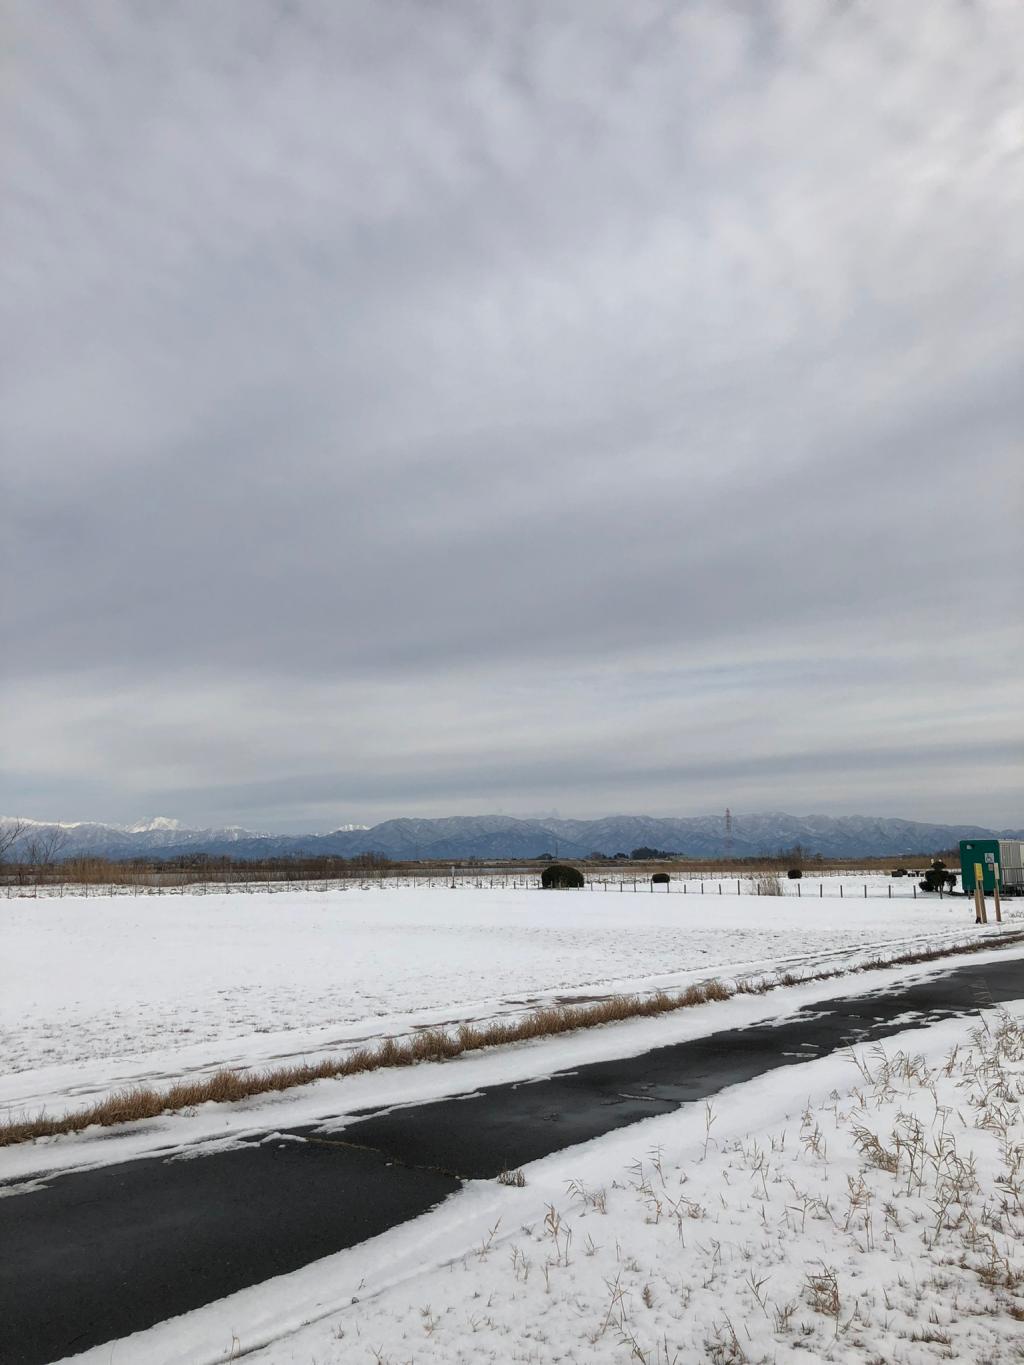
768, 884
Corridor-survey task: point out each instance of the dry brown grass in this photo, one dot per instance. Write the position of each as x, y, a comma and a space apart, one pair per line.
429, 1045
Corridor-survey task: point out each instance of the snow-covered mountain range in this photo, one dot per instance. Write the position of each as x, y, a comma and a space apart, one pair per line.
502, 836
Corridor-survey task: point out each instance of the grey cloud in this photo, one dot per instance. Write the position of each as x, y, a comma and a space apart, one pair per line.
404, 352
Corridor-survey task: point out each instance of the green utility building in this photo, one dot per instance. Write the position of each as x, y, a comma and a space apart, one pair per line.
1007, 854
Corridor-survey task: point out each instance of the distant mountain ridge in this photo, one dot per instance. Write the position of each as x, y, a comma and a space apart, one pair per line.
503, 836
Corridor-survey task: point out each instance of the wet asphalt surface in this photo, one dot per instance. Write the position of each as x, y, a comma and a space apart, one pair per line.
98, 1254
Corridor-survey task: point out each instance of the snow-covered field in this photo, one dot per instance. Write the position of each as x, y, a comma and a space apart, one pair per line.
103, 991
766, 1227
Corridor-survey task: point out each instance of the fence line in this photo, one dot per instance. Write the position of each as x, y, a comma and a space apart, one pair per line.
681, 884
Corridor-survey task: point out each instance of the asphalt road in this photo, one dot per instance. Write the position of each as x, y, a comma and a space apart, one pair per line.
99, 1254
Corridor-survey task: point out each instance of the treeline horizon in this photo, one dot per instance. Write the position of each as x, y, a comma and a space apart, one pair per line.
199, 867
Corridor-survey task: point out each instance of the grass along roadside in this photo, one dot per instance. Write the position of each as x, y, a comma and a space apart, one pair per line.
133, 1103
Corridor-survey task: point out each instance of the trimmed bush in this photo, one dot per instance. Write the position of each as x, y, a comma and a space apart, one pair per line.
938, 878
794, 874
561, 877
899, 872
660, 877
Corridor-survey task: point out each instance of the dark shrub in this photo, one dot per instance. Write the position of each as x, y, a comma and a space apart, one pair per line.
660, 877
561, 877
794, 874
899, 872
937, 878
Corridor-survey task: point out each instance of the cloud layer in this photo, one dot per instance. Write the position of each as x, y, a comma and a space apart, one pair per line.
416, 409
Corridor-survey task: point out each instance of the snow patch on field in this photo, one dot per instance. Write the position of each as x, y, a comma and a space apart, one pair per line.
100, 992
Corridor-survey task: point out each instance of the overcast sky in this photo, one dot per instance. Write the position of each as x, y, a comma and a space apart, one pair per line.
438, 408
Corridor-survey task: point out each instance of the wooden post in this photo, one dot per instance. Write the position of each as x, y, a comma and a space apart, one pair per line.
995, 894
979, 895
821, 889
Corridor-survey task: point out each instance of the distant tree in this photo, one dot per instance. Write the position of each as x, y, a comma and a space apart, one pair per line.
10, 834
561, 877
45, 848
371, 860
648, 855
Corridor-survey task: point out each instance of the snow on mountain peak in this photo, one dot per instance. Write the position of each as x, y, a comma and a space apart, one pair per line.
158, 822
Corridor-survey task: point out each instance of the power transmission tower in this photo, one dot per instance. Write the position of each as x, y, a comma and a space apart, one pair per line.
728, 832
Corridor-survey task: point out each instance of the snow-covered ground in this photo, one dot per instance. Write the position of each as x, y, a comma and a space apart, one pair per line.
105, 991
854, 1208
766, 1227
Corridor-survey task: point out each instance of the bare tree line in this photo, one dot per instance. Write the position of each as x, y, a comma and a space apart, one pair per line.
10, 834
39, 860
39, 851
